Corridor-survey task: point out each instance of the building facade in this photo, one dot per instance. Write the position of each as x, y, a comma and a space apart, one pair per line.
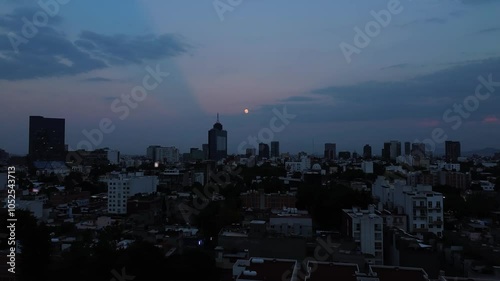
217, 142
47, 139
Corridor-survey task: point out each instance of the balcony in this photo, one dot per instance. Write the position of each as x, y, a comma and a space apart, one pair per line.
419, 207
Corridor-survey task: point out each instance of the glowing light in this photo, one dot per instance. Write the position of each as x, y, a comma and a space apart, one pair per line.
246, 111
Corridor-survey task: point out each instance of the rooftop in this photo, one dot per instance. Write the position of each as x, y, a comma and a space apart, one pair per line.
320, 271
391, 273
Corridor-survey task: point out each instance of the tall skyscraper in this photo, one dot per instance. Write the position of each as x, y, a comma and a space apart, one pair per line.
367, 151
47, 138
263, 150
217, 142
386, 151
452, 151
395, 149
418, 151
407, 148
330, 151
275, 149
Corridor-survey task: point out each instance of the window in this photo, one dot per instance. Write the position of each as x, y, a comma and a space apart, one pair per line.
422, 226
438, 204
378, 227
429, 204
358, 227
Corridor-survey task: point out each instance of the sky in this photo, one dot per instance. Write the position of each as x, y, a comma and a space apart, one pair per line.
350, 72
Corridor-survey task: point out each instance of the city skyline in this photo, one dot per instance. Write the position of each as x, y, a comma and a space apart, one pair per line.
236, 62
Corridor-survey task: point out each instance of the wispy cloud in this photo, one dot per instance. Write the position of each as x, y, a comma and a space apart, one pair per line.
489, 30
401, 65
97, 79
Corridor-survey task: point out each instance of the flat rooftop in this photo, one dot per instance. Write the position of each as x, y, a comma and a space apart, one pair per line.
391, 273
323, 271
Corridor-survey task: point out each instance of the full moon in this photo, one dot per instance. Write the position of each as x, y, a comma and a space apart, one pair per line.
246, 110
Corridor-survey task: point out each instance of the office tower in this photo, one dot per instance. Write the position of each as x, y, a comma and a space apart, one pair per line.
395, 149
386, 151
330, 151
452, 150
46, 138
407, 148
275, 149
217, 142
205, 151
250, 152
367, 151
263, 151
418, 150
195, 154
151, 152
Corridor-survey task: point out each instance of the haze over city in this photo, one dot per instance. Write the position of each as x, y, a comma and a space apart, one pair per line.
260, 55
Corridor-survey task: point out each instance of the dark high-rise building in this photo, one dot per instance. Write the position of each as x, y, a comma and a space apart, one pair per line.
330, 151
217, 142
275, 149
407, 148
46, 139
367, 151
263, 150
452, 150
395, 149
418, 150
250, 152
386, 151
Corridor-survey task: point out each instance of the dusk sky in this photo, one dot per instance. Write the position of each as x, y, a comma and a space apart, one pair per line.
260, 55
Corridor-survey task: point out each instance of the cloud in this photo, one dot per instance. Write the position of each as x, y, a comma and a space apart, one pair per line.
50, 52
491, 119
97, 79
425, 21
420, 99
477, 2
299, 99
399, 66
489, 30
122, 49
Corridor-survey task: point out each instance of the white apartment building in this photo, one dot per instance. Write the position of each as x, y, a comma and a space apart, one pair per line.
121, 186
423, 206
300, 166
366, 229
367, 167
